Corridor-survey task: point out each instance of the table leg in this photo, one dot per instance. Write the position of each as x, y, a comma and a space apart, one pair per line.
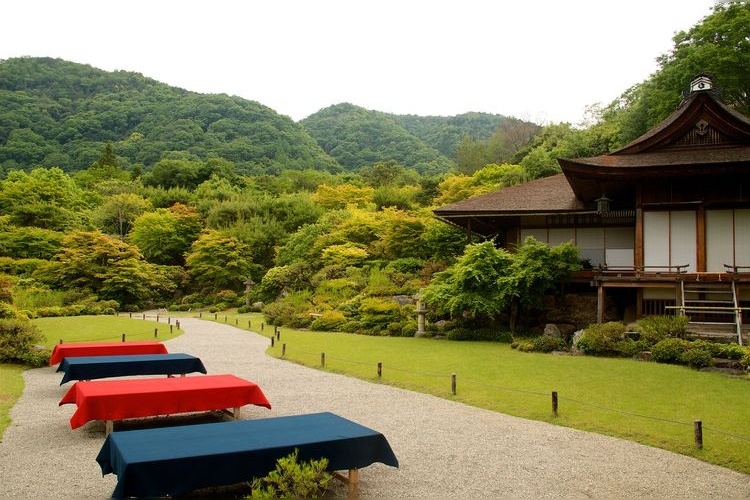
108, 427
236, 413
353, 483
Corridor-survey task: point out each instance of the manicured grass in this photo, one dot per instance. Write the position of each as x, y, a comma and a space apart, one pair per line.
651, 403
77, 329
11, 387
102, 329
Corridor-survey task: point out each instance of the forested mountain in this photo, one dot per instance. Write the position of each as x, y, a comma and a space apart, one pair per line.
444, 133
357, 137
59, 113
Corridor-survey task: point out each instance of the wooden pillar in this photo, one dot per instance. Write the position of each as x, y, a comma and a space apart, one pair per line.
601, 303
700, 235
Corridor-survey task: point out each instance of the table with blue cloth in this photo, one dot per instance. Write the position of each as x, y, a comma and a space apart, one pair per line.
95, 367
176, 460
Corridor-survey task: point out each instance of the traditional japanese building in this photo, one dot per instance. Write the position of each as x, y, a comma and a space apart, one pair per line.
663, 224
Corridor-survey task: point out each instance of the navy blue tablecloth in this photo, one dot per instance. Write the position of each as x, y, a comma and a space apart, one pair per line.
176, 460
94, 367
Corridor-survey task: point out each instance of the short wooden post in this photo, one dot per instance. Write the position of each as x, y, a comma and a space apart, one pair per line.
272, 341
131, 315
144, 316
170, 328
283, 350
156, 331
248, 324
262, 326
157, 318
200, 315
380, 369
278, 335
323, 360
453, 383
61, 341
169, 320
225, 318
123, 337
276, 330
177, 324
236, 321
554, 403
698, 434
216, 316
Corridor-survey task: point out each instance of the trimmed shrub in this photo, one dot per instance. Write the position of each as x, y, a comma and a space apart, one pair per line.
488, 334
602, 338
669, 350
548, 343
292, 479
18, 340
658, 327
696, 357
732, 351
329, 321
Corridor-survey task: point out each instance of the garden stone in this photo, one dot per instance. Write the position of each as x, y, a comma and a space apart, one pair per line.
551, 330
574, 343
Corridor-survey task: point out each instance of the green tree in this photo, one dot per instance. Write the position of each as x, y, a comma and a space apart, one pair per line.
106, 267
218, 262
166, 235
119, 211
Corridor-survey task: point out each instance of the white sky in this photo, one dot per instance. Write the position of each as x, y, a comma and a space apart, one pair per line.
539, 60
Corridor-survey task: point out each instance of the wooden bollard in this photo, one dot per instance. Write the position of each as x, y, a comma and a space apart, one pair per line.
169, 320
278, 335
131, 315
272, 341
156, 331
698, 434
380, 369
157, 318
200, 315
236, 321
123, 337
216, 316
262, 326
170, 328
61, 341
453, 383
248, 324
177, 323
323, 360
283, 350
554, 403
225, 318
144, 316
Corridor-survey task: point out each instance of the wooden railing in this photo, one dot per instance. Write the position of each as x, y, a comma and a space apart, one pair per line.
637, 271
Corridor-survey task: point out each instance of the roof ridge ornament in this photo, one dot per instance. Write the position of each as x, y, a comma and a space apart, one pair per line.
701, 83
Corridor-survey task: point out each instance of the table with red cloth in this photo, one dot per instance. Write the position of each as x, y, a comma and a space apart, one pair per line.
110, 400
61, 351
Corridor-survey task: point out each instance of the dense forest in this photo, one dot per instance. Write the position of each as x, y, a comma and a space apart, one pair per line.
120, 193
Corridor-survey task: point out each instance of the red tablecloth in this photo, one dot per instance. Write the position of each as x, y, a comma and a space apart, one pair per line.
121, 399
61, 351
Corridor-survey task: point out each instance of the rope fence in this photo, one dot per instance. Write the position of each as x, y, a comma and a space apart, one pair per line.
555, 397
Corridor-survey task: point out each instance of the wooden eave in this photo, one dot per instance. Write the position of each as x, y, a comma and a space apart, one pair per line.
663, 151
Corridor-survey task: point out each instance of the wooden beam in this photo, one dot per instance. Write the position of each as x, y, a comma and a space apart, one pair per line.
601, 305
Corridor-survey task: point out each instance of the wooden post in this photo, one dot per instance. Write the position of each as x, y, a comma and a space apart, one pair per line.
225, 318
283, 350
123, 337
380, 369
61, 341
236, 321
144, 316
698, 434
554, 403
157, 318
177, 323
170, 328
156, 331
453, 383
248, 324
272, 341
200, 315
131, 315
262, 326
216, 316
169, 320
322, 360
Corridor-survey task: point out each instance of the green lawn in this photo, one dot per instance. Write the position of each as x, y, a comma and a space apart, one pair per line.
77, 329
651, 403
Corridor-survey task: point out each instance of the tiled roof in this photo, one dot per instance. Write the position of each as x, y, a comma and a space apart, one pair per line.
549, 194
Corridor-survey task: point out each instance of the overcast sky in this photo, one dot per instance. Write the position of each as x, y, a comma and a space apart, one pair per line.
542, 60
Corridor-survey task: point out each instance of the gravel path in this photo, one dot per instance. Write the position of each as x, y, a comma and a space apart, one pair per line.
445, 449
